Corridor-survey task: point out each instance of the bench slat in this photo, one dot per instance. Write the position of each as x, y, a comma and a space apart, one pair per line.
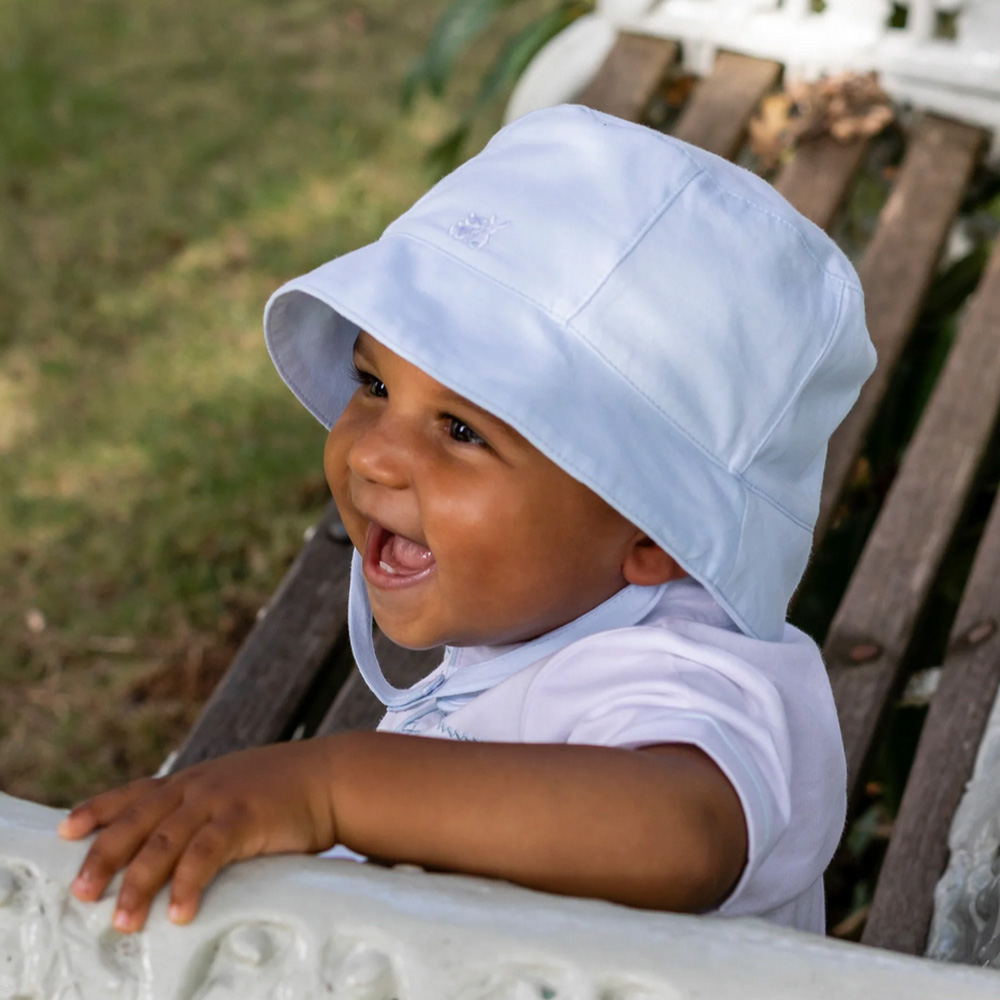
918, 851
630, 76
277, 665
817, 179
896, 271
722, 104
356, 707
873, 625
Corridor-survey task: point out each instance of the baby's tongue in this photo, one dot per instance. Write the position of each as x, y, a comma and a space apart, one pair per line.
405, 555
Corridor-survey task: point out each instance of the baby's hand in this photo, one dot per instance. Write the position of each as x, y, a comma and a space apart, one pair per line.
268, 800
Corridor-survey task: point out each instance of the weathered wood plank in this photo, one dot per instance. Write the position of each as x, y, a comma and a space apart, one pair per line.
722, 104
630, 75
918, 851
896, 271
355, 707
817, 179
278, 664
873, 625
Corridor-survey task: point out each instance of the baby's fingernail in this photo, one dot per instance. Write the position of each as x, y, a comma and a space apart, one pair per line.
122, 920
175, 913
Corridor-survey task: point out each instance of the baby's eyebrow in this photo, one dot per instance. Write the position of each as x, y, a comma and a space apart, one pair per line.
492, 419
362, 348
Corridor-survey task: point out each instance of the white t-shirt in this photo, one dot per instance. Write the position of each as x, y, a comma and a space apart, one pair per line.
763, 711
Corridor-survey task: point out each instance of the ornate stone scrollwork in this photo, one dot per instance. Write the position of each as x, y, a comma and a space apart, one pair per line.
358, 970
294, 928
50, 943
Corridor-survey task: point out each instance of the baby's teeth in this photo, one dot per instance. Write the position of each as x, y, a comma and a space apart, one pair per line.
386, 567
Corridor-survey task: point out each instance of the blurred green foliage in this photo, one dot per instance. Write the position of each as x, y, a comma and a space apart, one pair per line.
460, 25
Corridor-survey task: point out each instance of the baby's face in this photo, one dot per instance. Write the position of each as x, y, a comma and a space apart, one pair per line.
469, 534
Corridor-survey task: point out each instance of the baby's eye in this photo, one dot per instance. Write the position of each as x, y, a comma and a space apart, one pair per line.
462, 432
375, 386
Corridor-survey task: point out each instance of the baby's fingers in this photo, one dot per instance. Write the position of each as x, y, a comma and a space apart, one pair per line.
117, 843
216, 844
150, 869
101, 809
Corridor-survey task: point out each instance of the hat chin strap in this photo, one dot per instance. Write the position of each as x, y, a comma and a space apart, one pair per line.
359, 628
628, 607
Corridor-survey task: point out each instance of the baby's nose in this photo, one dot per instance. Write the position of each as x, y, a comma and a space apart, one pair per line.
381, 454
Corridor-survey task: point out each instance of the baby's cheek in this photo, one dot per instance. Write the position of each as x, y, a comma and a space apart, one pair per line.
334, 465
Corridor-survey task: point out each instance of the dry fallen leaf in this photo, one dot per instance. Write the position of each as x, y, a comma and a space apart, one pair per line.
846, 106
856, 126
769, 131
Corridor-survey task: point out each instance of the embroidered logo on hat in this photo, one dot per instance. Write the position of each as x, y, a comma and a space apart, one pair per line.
475, 230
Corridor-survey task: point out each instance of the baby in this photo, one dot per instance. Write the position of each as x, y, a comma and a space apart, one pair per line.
579, 398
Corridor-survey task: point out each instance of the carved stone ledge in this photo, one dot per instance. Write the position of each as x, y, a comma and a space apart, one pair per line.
967, 899
298, 928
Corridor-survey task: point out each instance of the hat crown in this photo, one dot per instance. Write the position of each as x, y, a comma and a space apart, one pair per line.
658, 321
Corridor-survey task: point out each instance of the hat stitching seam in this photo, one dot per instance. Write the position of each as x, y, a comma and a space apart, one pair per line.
475, 270
636, 240
720, 590
784, 223
723, 585
652, 402
714, 459
793, 396
757, 491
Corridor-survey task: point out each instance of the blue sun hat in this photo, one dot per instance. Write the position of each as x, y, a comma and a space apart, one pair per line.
657, 321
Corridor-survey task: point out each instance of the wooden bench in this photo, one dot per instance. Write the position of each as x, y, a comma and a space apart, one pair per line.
294, 676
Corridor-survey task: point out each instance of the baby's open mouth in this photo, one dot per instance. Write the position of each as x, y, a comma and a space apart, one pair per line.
391, 558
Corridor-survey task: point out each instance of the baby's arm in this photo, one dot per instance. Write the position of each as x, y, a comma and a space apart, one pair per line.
659, 827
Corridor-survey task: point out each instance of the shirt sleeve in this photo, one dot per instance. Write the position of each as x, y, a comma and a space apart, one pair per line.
639, 687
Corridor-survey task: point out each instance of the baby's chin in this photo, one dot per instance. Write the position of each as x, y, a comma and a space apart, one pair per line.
417, 638
412, 636
417, 641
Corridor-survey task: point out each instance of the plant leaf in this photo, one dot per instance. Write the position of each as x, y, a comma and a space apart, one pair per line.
519, 49
517, 52
457, 27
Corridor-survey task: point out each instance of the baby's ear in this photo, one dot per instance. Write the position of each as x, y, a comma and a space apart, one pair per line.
647, 565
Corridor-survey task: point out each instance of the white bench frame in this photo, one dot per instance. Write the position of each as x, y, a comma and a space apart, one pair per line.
957, 77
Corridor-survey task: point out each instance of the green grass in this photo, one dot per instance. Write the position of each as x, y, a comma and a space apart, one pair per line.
163, 168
